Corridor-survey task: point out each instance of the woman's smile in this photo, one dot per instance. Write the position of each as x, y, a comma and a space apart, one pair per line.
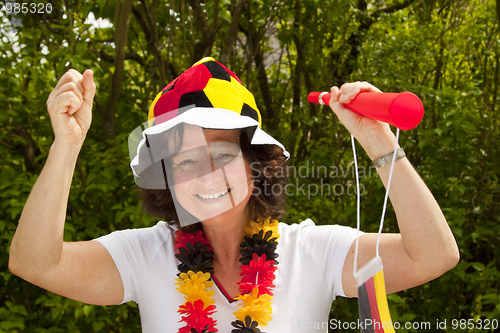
213, 196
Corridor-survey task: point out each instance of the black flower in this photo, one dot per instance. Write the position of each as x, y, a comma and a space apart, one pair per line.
205, 330
248, 326
195, 258
261, 244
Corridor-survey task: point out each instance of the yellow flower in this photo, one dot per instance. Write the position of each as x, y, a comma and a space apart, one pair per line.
253, 298
265, 225
194, 286
258, 308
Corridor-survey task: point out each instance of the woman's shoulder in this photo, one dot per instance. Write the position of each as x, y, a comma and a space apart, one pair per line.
294, 226
153, 236
308, 229
293, 232
299, 226
160, 228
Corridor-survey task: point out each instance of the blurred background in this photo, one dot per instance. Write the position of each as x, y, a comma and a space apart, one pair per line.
445, 51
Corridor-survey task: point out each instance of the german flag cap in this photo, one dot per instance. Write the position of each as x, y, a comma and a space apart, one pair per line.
207, 95
207, 84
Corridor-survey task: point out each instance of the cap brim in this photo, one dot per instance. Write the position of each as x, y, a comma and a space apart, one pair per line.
212, 118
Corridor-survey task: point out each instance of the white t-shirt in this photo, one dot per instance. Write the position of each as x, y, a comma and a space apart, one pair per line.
308, 279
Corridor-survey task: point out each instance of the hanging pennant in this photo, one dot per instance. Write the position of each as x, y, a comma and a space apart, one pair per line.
372, 298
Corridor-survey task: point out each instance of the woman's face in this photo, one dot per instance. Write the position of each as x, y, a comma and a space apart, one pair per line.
211, 178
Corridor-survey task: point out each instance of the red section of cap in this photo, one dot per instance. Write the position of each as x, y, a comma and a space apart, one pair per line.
166, 116
170, 84
193, 79
167, 103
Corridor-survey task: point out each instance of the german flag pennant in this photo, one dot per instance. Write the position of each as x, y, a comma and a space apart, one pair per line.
372, 298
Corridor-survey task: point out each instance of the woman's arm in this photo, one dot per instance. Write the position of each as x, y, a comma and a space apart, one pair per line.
83, 270
425, 247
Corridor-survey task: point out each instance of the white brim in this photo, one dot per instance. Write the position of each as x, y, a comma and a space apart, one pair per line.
212, 118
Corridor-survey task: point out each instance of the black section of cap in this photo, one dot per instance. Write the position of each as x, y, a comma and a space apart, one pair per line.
197, 98
170, 88
248, 111
217, 71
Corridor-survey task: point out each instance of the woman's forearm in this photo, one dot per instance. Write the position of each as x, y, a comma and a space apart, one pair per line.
425, 233
37, 243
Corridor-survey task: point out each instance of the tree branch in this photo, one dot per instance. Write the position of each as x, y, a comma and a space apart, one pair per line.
166, 70
254, 40
215, 17
121, 32
232, 32
128, 56
29, 150
393, 8
208, 35
296, 76
356, 38
498, 10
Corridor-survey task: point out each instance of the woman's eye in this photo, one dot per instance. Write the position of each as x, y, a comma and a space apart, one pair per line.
186, 162
225, 155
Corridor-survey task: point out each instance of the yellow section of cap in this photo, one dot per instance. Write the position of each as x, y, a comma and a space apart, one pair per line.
151, 113
230, 96
203, 60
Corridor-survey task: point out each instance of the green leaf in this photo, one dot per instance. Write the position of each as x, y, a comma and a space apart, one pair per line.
477, 266
117, 206
97, 325
407, 317
491, 299
468, 126
457, 231
78, 312
87, 309
395, 298
85, 10
81, 47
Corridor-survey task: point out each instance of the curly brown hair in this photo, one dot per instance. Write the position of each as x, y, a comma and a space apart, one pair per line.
269, 170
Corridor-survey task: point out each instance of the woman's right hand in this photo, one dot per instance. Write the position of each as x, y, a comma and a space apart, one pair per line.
70, 107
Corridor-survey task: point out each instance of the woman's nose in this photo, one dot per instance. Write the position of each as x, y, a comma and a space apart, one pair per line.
205, 167
207, 173
210, 178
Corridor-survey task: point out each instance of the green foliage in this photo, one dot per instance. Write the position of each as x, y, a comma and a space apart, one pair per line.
447, 52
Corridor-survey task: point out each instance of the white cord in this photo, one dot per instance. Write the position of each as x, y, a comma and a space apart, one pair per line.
358, 200
387, 191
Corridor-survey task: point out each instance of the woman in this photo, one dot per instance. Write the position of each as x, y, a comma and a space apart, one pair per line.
195, 163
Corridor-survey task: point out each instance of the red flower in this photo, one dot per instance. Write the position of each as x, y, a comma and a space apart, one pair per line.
182, 238
197, 317
258, 267
265, 287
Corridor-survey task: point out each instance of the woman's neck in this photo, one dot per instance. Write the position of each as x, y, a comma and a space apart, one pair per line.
225, 239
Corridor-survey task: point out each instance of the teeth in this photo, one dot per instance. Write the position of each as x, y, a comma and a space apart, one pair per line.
212, 196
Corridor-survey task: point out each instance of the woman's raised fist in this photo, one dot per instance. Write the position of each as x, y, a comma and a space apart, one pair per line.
70, 107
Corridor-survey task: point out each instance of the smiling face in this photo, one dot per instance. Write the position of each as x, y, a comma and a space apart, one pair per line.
210, 178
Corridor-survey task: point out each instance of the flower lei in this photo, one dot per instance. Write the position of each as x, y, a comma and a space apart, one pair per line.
259, 259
